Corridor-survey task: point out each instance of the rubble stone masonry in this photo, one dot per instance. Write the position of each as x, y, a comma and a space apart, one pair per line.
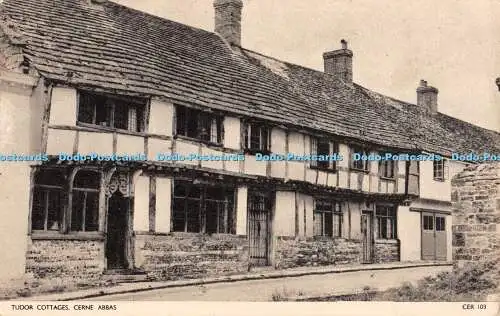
476, 213
72, 260
189, 255
295, 252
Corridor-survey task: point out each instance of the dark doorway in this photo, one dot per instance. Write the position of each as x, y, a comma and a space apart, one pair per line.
116, 243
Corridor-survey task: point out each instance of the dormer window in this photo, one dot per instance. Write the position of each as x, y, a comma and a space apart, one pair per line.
204, 126
359, 164
257, 137
111, 111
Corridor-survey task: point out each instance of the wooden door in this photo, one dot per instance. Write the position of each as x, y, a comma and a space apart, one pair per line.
433, 236
440, 233
367, 235
259, 209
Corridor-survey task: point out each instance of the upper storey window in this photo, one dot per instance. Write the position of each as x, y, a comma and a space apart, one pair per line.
257, 137
440, 170
111, 111
359, 164
323, 148
204, 126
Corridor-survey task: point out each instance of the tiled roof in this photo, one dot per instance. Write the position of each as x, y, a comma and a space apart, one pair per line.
115, 48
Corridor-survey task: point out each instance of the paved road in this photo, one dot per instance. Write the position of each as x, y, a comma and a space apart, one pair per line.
263, 290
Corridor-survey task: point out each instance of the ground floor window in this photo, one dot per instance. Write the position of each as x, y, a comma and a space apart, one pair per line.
47, 202
55, 207
327, 218
386, 222
201, 208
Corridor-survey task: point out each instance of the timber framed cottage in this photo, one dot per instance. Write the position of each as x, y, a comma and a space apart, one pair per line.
88, 76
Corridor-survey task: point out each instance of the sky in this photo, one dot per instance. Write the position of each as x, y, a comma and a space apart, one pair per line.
452, 44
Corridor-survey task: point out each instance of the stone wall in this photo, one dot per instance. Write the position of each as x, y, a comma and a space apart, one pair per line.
386, 251
476, 213
185, 255
291, 252
71, 260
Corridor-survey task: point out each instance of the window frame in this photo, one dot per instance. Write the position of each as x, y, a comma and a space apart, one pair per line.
264, 146
228, 202
76, 190
110, 104
201, 117
385, 166
389, 215
440, 170
329, 165
335, 209
353, 163
47, 189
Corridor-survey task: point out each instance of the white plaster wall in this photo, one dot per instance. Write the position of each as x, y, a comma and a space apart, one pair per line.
355, 209
343, 178
233, 166
309, 209
332, 180
129, 145
284, 216
296, 170
296, 143
158, 146
322, 177
232, 132
60, 141
15, 134
241, 210
449, 238
39, 99
437, 190
141, 204
209, 163
401, 180
278, 141
163, 204
63, 107
344, 152
252, 166
89, 142
409, 233
14, 198
161, 118
186, 148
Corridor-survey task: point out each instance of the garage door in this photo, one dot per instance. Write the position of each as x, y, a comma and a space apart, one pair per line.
433, 236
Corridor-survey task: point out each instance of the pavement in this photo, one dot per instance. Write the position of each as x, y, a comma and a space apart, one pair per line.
264, 285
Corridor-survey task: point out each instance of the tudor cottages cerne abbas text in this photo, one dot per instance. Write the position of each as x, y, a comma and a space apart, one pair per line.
88, 76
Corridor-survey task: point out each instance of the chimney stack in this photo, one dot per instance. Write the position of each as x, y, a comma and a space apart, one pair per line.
228, 20
339, 62
427, 97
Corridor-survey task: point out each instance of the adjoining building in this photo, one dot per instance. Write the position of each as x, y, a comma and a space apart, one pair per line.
82, 76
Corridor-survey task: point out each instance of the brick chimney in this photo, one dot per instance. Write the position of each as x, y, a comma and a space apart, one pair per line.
228, 20
427, 97
339, 62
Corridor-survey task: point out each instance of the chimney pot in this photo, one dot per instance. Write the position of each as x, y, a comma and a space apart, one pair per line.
228, 20
339, 62
427, 97
344, 43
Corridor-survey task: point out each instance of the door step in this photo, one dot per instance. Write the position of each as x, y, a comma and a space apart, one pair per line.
125, 276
